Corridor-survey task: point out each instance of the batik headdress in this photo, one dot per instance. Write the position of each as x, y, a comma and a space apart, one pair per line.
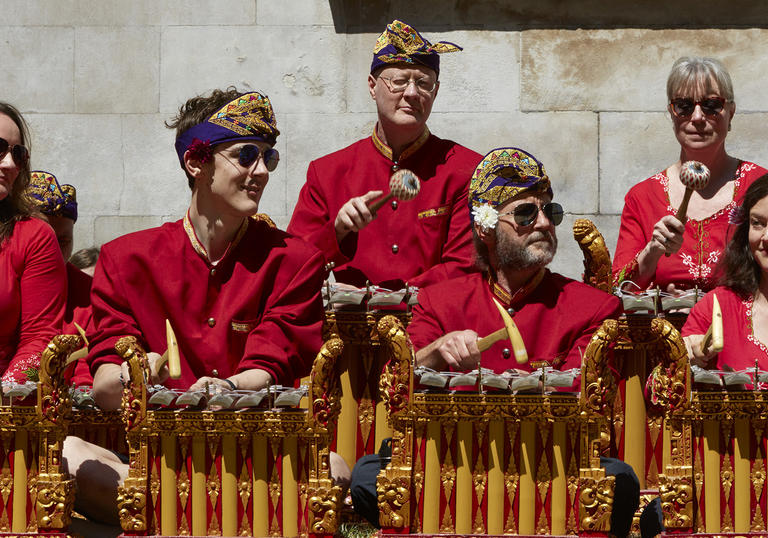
50, 198
503, 174
400, 43
248, 117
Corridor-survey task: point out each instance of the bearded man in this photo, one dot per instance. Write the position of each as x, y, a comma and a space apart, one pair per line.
514, 220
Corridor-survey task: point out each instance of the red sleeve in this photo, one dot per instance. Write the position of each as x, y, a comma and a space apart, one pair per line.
458, 251
424, 328
43, 289
700, 317
632, 239
289, 335
610, 309
312, 222
112, 316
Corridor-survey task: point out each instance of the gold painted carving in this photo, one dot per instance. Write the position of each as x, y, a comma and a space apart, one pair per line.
596, 503
676, 501
55, 499
396, 380
597, 259
325, 388
324, 504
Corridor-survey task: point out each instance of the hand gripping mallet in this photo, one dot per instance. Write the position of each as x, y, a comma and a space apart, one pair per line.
403, 185
695, 177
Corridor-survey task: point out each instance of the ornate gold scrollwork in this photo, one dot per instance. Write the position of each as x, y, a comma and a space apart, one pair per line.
135, 392
131, 503
55, 499
54, 403
596, 503
669, 382
597, 259
676, 501
598, 383
324, 503
395, 382
325, 388
394, 493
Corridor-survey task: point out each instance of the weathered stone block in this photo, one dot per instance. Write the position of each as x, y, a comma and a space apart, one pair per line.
300, 69
116, 69
293, 13
155, 183
310, 136
633, 147
84, 150
627, 69
566, 142
37, 68
83, 233
111, 227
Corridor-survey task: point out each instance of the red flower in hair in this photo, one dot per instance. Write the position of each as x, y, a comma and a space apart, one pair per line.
200, 150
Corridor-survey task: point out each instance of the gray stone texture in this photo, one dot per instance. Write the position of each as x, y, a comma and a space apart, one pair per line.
580, 85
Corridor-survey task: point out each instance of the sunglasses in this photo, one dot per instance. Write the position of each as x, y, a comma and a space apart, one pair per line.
683, 107
19, 153
526, 214
249, 154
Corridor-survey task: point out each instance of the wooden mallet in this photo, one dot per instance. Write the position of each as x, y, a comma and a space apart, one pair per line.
695, 177
713, 338
403, 185
171, 355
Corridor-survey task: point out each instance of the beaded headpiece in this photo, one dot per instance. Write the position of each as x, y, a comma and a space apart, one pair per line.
50, 198
400, 43
248, 117
503, 174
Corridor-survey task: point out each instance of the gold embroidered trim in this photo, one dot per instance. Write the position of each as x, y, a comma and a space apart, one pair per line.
434, 212
407, 152
242, 327
507, 298
198, 246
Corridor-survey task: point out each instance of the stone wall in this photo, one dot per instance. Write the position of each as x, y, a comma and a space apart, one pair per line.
578, 83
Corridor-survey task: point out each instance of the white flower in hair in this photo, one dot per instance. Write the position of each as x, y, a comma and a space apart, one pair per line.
486, 216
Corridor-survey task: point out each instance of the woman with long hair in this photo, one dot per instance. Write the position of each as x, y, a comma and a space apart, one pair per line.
33, 286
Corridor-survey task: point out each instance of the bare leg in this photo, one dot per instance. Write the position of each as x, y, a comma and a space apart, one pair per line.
98, 472
340, 472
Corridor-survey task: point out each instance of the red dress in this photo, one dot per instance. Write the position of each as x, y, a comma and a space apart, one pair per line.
32, 298
258, 307
556, 318
422, 241
740, 347
703, 240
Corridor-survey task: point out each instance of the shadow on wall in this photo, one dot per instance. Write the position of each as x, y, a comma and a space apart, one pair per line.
357, 16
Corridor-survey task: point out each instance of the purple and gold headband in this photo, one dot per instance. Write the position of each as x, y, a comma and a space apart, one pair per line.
505, 173
249, 117
400, 43
50, 198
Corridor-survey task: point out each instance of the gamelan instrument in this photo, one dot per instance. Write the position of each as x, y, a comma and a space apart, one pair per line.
404, 185
695, 177
713, 338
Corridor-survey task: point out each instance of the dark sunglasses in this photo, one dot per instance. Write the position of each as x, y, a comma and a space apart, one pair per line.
19, 153
683, 107
249, 154
526, 214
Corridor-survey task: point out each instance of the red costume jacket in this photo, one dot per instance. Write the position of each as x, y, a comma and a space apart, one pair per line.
703, 241
32, 297
741, 347
78, 311
556, 318
422, 241
258, 307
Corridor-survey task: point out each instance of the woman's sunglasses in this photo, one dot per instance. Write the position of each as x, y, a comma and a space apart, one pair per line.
249, 154
683, 107
526, 214
19, 153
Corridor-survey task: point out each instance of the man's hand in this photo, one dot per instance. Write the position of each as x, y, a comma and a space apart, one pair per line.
156, 377
456, 350
253, 379
355, 215
697, 356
